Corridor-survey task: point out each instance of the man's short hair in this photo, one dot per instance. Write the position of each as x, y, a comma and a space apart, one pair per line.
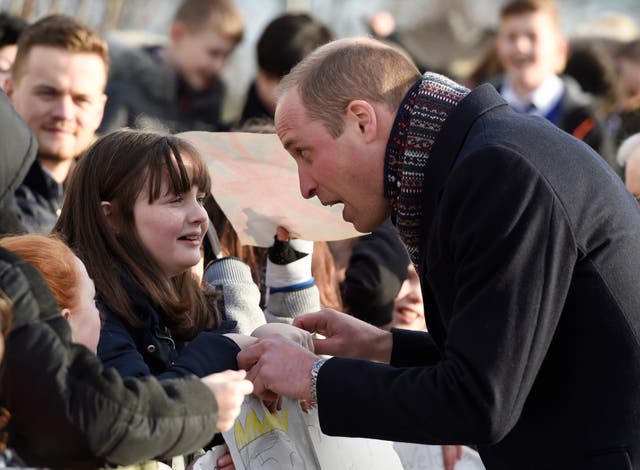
287, 40
519, 7
61, 32
223, 15
10, 29
341, 71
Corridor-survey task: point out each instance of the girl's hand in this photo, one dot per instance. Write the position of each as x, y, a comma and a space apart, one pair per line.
229, 388
225, 462
241, 340
302, 337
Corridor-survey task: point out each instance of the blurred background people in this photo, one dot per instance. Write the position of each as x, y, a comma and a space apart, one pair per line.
629, 158
176, 87
628, 68
10, 28
533, 52
408, 309
376, 270
284, 42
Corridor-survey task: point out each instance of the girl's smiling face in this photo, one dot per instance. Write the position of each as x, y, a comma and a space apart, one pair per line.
409, 308
172, 227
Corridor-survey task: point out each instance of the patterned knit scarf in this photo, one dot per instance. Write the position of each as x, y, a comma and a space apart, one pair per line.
418, 123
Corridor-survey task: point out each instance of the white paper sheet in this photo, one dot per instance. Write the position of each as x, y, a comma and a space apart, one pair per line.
255, 183
291, 439
424, 457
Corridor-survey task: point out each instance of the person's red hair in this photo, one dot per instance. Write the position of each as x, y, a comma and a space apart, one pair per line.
53, 259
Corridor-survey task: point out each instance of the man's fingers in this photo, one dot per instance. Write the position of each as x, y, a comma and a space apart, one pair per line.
249, 356
253, 373
262, 391
324, 346
450, 455
260, 387
225, 459
312, 322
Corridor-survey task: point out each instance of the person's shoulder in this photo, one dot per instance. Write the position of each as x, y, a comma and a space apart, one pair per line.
140, 304
575, 97
28, 292
124, 59
139, 66
106, 314
497, 81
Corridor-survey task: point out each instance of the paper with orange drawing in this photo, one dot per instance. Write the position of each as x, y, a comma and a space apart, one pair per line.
255, 183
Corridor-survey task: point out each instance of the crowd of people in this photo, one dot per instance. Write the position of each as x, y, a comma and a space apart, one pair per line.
493, 303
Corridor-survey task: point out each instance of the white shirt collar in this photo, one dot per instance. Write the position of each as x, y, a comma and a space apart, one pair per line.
544, 97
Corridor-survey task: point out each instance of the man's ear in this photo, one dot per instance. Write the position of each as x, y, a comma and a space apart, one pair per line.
363, 115
66, 313
177, 31
102, 101
8, 87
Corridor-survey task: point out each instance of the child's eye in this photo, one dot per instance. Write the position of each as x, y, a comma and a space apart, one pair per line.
201, 199
177, 199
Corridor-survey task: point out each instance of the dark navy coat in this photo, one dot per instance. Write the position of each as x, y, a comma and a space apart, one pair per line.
530, 272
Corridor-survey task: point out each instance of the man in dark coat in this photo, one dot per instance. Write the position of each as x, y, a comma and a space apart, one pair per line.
67, 410
529, 257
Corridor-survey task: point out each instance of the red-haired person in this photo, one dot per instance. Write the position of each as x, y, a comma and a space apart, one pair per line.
67, 278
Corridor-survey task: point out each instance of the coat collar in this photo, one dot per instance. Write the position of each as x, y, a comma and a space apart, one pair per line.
448, 145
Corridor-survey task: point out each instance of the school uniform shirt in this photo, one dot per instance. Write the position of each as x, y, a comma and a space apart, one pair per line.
562, 102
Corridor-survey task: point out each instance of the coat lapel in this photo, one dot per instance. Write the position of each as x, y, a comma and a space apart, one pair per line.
444, 157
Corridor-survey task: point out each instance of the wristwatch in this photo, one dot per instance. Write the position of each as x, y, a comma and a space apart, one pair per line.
314, 378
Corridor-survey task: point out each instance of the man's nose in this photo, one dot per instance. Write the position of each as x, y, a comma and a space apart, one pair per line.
64, 107
523, 44
308, 186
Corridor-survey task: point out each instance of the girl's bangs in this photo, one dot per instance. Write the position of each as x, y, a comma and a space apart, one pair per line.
181, 167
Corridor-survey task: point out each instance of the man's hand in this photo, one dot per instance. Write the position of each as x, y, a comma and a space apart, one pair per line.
225, 461
346, 336
229, 388
450, 455
278, 366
